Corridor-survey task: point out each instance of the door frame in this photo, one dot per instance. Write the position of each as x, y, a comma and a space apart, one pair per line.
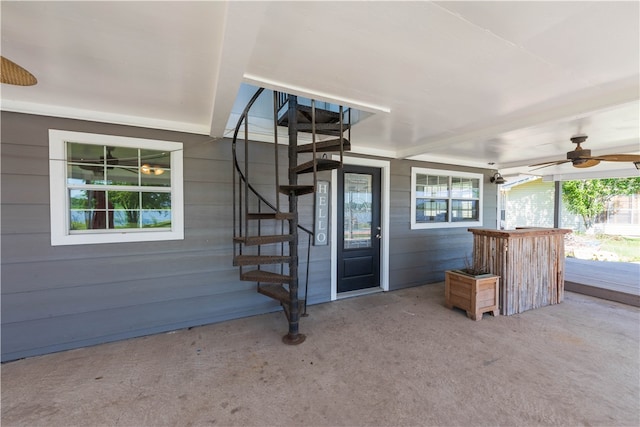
385, 176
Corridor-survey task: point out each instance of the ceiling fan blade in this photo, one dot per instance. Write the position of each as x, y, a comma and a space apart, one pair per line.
587, 163
619, 157
547, 164
13, 74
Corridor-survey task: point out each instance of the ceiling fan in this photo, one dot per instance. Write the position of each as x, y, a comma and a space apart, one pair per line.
582, 158
13, 74
129, 164
97, 165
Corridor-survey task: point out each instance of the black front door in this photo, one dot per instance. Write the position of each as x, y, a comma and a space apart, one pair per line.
358, 228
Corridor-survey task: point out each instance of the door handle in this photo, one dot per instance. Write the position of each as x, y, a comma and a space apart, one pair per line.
378, 236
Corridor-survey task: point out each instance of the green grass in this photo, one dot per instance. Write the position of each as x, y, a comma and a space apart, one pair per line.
628, 249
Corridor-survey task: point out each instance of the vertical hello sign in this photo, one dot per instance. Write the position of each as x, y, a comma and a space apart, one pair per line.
321, 221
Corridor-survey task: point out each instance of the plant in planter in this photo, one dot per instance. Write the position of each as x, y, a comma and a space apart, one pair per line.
472, 289
473, 269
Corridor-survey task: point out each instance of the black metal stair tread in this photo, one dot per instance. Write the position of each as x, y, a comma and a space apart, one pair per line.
298, 190
270, 215
260, 259
263, 240
304, 114
326, 146
277, 292
321, 165
264, 276
323, 128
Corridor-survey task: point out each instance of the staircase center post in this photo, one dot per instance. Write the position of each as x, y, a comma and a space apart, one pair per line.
293, 337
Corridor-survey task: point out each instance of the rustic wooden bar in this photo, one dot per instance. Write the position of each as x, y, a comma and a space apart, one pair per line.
530, 262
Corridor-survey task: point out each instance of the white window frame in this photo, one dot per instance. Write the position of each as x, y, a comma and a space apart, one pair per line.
60, 233
451, 174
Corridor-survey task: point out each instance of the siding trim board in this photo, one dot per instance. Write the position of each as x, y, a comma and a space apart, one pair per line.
181, 283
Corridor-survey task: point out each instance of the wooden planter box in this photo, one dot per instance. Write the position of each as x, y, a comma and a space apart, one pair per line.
474, 294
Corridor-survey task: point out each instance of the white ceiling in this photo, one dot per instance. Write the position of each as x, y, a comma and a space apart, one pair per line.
464, 83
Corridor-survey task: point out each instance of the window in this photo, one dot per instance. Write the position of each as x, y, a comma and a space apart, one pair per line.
108, 189
441, 198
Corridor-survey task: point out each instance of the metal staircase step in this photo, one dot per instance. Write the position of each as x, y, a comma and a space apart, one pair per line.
271, 215
263, 240
326, 146
304, 114
297, 190
323, 128
321, 165
260, 259
277, 292
264, 276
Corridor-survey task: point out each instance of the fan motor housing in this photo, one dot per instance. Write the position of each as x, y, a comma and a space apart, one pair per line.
581, 154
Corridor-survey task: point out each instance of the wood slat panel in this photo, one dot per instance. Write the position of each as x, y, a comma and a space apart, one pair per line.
530, 263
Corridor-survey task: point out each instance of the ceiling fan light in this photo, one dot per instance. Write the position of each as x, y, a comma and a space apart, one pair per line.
157, 170
146, 169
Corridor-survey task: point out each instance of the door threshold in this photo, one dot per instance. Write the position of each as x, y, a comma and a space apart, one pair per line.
358, 293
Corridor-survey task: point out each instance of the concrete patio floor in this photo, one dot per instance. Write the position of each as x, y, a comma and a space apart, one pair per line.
398, 358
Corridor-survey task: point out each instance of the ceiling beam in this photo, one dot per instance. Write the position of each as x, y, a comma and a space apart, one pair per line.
241, 27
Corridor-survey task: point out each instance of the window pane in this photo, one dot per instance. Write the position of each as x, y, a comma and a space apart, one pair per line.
85, 174
357, 210
464, 210
157, 177
158, 158
80, 220
85, 153
90, 219
155, 167
88, 210
156, 210
125, 208
125, 218
157, 201
156, 219
122, 156
432, 186
124, 200
80, 199
430, 210
122, 175
466, 188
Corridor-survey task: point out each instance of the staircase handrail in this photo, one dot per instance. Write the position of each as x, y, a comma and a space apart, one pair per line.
242, 118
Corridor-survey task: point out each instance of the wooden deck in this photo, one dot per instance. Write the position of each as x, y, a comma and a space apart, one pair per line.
615, 281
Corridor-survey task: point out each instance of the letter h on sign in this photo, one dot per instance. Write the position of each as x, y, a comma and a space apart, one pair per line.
321, 219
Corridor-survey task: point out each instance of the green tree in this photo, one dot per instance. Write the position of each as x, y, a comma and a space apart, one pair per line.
588, 197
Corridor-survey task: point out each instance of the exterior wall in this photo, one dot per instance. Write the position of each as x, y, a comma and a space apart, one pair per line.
421, 256
531, 205
56, 298
63, 297
623, 216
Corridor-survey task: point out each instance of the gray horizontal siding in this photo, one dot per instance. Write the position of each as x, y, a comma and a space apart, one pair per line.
418, 257
56, 298
71, 331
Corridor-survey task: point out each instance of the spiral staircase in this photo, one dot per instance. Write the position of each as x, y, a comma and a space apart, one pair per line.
266, 234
